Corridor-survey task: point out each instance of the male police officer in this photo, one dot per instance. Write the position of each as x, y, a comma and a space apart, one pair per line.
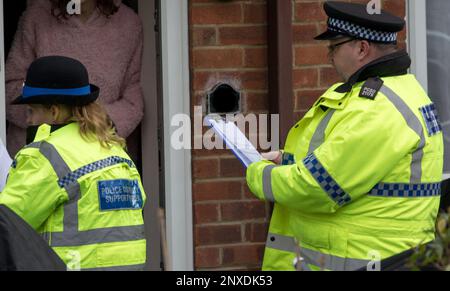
360, 176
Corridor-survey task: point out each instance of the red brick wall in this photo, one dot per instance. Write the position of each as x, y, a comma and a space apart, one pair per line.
312, 72
228, 43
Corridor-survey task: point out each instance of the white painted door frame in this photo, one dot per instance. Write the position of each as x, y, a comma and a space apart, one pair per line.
417, 43
177, 163
417, 39
176, 99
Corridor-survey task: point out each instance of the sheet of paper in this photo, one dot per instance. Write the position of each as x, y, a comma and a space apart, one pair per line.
235, 140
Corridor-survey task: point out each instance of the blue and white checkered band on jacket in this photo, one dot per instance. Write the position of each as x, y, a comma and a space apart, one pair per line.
358, 31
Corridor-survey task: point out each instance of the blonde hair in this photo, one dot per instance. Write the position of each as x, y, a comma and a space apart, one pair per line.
95, 124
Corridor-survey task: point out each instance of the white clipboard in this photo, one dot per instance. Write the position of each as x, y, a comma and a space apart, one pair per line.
235, 140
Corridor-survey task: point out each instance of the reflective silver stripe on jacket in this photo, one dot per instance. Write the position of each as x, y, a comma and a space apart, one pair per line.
314, 258
330, 262
71, 236
406, 190
267, 183
97, 236
319, 135
59, 165
414, 123
281, 243
118, 268
34, 145
286, 244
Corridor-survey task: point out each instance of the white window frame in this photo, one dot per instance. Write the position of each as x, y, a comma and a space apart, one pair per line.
176, 100
417, 43
417, 36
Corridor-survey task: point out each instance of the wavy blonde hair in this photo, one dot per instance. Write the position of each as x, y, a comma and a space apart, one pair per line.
95, 124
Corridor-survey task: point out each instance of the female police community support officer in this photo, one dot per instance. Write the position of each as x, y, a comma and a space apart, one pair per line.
360, 174
75, 184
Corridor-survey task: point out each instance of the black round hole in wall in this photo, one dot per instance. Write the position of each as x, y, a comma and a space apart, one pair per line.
223, 99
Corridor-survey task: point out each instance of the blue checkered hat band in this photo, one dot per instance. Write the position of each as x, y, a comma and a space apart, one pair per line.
326, 182
406, 190
346, 27
72, 177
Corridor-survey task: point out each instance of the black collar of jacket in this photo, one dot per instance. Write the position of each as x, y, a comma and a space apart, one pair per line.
58, 126
33, 129
395, 64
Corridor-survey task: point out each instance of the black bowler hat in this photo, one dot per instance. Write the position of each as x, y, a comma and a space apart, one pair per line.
57, 80
354, 20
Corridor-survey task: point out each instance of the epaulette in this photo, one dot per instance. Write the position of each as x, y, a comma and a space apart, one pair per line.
371, 88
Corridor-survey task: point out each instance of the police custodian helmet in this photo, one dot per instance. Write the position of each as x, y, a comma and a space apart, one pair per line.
354, 20
57, 80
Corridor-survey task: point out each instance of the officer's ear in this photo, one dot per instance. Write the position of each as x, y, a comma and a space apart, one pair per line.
363, 49
60, 113
55, 113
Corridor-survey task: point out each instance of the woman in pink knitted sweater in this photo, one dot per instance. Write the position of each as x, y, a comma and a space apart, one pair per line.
107, 38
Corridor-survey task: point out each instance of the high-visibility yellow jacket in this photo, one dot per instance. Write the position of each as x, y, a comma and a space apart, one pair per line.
85, 200
360, 179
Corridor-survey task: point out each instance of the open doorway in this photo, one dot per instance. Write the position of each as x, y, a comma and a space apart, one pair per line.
13, 11
148, 135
